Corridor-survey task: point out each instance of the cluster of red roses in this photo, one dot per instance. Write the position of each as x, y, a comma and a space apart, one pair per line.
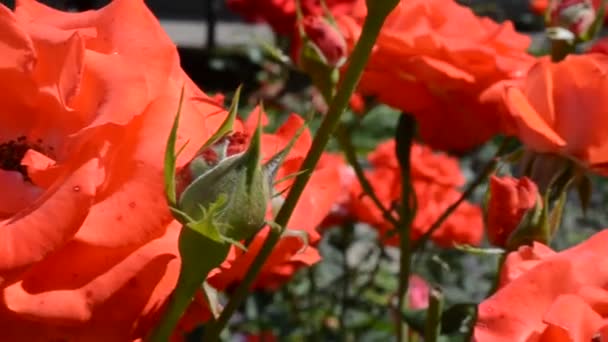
87, 104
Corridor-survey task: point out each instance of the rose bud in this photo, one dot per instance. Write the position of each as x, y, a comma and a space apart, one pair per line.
319, 49
510, 199
221, 198
319, 38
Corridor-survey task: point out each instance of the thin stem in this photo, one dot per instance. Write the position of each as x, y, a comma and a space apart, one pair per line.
371, 28
404, 137
347, 236
432, 327
344, 140
480, 179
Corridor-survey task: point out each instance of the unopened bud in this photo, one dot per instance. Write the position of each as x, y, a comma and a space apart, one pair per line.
510, 199
225, 172
322, 41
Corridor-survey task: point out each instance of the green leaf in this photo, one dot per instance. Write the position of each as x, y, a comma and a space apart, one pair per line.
479, 251
272, 165
208, 225
584, 189
555, 217
456, 317
228, 123
597, 24
171, 156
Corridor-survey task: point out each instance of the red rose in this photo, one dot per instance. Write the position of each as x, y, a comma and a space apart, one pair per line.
340, 211
559, 108
88, 248
546, 296
433, 58
435, 178
510, 199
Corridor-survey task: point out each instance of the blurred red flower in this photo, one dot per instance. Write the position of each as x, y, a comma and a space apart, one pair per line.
315, 203
435, 178
546, 296
432, 59
281, 14
510, 199
560, 108
340, 212
88, 248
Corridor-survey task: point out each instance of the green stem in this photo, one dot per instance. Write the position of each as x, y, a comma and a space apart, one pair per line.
432, 328
199, 256
377, 12
180, 299
491, 291
404, 137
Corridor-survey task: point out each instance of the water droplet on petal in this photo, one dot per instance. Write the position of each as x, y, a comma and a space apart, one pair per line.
76, 188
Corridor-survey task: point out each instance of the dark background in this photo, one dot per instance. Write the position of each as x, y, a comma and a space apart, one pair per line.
516, 10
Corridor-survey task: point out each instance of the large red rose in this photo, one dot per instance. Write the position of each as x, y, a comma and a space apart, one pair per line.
88, 248
435, 178
559, 108
432, 59
546, 296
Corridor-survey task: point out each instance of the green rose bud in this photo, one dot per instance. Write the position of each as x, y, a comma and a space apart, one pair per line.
235, 183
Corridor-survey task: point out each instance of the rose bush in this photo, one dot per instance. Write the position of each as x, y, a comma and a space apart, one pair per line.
88, 246
435, 178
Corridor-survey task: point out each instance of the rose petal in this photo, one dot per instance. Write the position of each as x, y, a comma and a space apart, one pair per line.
85, 292
50, 222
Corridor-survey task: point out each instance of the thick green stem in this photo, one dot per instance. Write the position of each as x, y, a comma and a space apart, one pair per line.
377, 12
180, 299
404, 137
199, 256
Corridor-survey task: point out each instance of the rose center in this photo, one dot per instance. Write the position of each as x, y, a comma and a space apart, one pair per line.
12, 152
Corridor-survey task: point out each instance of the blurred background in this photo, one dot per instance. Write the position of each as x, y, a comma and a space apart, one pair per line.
220, 51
